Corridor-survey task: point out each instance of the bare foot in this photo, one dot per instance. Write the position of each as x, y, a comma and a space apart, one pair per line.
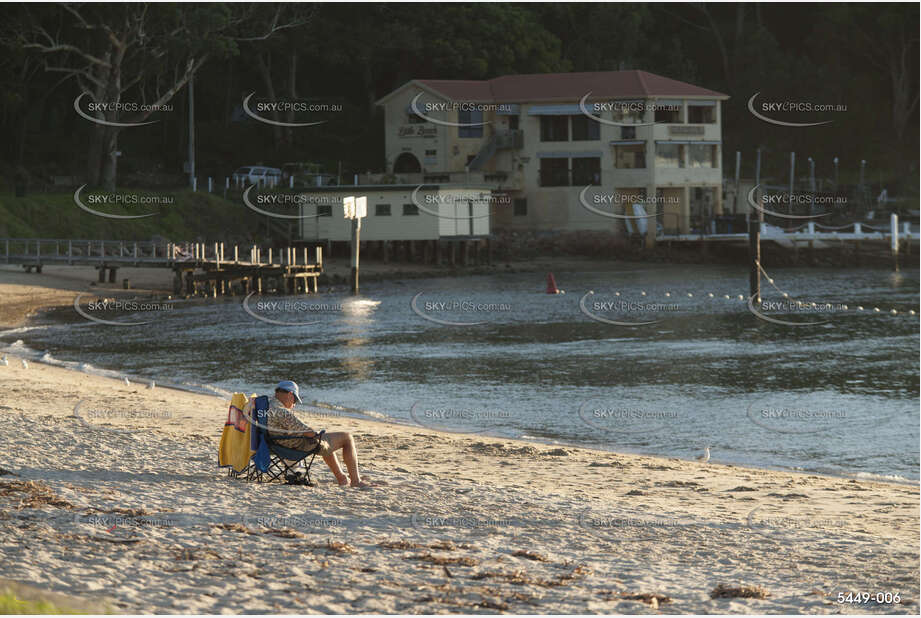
343, 480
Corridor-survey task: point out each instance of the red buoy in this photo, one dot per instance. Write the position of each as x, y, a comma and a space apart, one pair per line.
551, 284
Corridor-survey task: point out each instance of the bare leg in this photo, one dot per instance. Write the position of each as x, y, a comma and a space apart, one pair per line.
343, 440
333, 462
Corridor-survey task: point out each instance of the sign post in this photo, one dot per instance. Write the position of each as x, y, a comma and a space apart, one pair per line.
355, 208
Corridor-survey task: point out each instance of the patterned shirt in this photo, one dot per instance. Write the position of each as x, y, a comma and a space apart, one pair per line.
288, 427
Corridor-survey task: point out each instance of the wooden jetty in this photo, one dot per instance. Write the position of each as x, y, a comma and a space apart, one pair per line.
199, 268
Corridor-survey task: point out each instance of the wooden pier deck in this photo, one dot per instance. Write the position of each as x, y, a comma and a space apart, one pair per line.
199, 268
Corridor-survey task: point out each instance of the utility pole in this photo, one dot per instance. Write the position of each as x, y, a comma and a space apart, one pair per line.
812, 185
192, 131
735, 207
860, 190
754, 238
792, 181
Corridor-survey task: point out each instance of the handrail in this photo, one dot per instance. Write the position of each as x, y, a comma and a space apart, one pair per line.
165, 253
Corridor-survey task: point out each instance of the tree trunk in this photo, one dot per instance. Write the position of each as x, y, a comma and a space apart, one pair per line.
94, 155
721, 46
292, 92
902, 107
737, 42
110, 159
265, 71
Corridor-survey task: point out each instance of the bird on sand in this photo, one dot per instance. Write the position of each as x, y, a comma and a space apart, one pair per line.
25, 365
127, 382
4, 361
705, 457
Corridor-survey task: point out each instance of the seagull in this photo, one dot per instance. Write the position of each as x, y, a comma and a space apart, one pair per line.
25, 365
3, 361
151, 385
705, 457
127, 383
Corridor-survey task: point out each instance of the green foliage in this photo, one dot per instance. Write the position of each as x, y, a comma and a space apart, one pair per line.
10, 604
352, 54
191, 216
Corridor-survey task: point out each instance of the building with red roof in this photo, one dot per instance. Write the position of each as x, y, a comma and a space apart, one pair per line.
572, 151
616, 153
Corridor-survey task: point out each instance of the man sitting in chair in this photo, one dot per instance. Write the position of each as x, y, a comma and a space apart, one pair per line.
286, 430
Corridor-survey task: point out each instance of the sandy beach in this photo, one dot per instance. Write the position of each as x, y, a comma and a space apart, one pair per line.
125, 506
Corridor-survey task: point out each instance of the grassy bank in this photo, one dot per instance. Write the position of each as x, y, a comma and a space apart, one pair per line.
180, 215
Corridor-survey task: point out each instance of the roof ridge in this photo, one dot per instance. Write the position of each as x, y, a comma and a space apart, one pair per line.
553, 86
642, 80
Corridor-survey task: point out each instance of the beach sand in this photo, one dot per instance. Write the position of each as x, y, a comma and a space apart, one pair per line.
127, 507
23, 294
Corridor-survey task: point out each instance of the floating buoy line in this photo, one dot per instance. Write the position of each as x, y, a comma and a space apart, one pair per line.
838, 307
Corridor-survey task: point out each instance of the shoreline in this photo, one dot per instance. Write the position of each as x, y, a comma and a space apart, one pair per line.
28, 321
388, 422
465, 521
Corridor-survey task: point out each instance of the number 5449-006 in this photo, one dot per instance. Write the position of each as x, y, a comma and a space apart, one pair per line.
880, 598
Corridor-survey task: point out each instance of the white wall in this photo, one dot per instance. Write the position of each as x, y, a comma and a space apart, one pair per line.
447, 202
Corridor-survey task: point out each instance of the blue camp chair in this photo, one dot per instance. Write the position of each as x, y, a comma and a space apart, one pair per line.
271, 460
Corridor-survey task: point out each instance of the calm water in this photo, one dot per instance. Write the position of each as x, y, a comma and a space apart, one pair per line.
839, 397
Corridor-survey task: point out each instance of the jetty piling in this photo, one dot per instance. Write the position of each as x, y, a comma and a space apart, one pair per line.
199, 269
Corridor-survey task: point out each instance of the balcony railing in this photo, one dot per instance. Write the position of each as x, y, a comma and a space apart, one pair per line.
686, 129
460, 178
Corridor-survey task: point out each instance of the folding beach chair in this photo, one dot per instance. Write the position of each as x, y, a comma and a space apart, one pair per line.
274, 461
251, 454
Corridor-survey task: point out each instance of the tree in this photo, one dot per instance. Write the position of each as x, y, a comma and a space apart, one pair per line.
146, 52
885, 35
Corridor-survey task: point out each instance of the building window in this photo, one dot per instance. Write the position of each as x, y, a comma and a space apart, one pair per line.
586, 171
470, 117
554, 128
669, 155
628, 133
628, 112
554, 172
630, 157
324, 210
431, 153
668, 112
585, 129
702, 155
520, 207
410, 210
382, 210
513, 123
415, 118
701, 114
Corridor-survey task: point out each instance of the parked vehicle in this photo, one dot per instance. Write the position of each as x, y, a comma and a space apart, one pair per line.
306, 175
258, 175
